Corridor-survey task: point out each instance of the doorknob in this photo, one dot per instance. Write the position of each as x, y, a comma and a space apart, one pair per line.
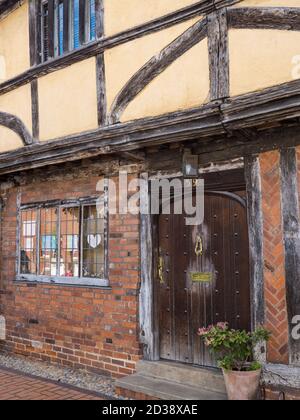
199, 246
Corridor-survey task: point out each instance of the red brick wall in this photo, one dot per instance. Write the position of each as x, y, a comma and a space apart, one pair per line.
274, 258
98, 328
90, 328
281, 393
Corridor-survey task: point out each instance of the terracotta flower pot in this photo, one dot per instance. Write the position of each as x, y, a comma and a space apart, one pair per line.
242, 386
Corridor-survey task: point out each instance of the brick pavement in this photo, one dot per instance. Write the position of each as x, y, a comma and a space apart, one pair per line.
18, 386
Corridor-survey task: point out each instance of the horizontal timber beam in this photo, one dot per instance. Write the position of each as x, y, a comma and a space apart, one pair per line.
251, 111
262, 107
281, 18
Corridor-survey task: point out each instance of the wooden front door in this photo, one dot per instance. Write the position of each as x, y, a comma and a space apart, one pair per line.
196, 291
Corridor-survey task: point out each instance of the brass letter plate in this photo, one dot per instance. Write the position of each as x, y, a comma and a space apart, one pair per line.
202, 277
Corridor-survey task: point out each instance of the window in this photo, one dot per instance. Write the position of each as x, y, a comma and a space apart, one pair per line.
66, 25
64, 243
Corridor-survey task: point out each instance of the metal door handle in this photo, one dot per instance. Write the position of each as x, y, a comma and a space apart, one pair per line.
161, 270
199, 246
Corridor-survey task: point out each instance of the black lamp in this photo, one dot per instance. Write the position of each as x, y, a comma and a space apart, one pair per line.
190, 165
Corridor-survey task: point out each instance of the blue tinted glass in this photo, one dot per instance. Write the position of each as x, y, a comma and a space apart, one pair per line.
76, 24
93, 20
61, 29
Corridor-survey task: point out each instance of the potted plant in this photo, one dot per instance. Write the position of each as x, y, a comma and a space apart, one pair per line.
234, 352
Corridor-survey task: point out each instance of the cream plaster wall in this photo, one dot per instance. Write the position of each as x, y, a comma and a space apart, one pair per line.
9, 140
68, 100
122, 62
18, 103
183, 85
262, 58
124, 14
14, 43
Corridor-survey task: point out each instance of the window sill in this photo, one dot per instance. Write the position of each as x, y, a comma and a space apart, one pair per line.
66, 281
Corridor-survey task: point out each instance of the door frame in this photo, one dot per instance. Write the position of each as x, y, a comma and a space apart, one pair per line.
248, 179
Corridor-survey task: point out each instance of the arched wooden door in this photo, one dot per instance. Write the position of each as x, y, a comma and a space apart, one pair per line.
203, 277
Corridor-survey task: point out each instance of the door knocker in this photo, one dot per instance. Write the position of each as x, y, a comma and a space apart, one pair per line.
199, 246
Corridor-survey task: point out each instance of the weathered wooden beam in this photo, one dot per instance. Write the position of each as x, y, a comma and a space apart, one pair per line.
262, 107
282, 18
222, 149
218, 54
66, 18
97, 47
291, 233
146, 295
100, 67
34, 44
122, 137
255, 223
15, 124
33, 32
134, 156
206, 122
99, 9
101, 90
281, 375
35, 110
155, 66
51, 27
82, 31
7, 6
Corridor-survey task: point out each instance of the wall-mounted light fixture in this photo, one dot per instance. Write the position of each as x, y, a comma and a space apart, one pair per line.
190, 165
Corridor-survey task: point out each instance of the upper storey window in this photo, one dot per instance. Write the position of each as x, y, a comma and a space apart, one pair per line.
65, 26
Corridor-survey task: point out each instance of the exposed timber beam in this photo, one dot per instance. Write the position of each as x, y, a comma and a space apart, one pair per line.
277, 106
15, 124
155, 66
291, 229
281, 18
218, 54
200, 8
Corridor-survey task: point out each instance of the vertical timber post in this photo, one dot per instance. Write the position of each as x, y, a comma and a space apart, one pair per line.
218, 54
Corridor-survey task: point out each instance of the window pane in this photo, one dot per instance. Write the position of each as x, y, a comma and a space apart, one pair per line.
93, 242
92, 20
76, 39
61, 28
69, 242
48, 242
28, 242
45, 31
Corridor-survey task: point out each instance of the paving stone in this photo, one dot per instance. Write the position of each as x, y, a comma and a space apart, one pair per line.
22, 387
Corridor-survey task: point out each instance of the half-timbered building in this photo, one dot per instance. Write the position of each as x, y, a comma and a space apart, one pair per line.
153, 88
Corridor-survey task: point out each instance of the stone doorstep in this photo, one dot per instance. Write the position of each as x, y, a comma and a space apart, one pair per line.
211, 379
164, 390
172, 381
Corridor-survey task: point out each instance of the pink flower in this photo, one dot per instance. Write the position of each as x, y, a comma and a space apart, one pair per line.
222, 325
202, 331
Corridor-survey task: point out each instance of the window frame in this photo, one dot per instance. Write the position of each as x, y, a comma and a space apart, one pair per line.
63, 280
53, 35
